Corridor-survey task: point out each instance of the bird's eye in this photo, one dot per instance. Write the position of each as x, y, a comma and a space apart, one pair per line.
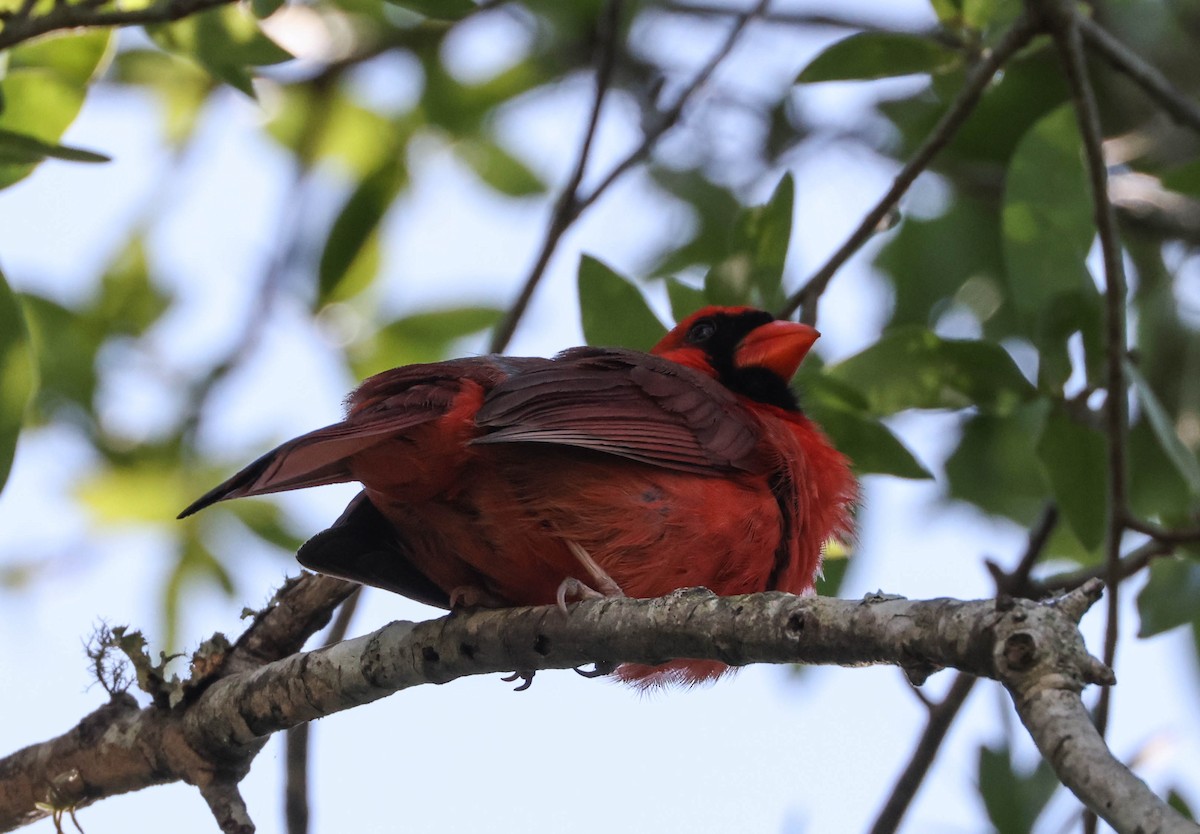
701, 331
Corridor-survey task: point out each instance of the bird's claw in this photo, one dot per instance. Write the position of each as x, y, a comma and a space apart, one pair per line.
526, 678
599, 670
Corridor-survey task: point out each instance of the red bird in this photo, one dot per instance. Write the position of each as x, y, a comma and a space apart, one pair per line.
497, 481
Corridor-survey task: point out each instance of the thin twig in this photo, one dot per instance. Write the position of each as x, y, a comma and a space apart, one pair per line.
981, 75
1131, 563
1170, 98
567, 209
1063, 21
296, 739
1182, 535
941, 716
943, 713
572, 203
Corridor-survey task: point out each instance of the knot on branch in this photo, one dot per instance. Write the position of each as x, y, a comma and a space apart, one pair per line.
1038, 645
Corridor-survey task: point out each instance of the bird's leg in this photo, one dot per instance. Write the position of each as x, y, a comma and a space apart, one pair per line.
605, 585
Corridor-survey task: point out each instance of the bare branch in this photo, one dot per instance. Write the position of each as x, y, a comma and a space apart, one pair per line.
1032, 648
567, 209
1156, 85
72, 16
941, 716
1062, 20
964, 103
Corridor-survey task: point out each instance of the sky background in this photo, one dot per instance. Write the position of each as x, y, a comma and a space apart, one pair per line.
765, 751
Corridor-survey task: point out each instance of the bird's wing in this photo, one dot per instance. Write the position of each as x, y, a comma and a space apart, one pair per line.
624, 403
385, 406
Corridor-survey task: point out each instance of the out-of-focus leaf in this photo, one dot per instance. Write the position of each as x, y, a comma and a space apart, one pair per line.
65, 345
869, 55
1047, 217
1075, 311
750, 271
685, 299
18, 149
438, 9
41, 94
910, 367
196, 563
1183, 178
263, 9
328, 124
128, 301
1175, 800
870, 445
956, 255
499, 169
1073, 457
225, 41
266, 521
715, 211
18, 376
422, 337
995, 466
1164, 429
1013, 800
181, 86
833, 573
357, 223
1171, 597
149, 492
613, 310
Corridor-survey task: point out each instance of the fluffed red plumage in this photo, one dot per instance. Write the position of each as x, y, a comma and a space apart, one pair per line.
691, 465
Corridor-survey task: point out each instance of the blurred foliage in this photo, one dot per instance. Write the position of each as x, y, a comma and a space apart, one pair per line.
995, 311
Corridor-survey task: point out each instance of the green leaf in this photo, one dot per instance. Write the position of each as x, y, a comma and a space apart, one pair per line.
18, 149
1183, 178
263, 9
354, 228
1014, 800
1047, 216
499, 169
911, 367
225, 41
1164, 429
613, 310
750, 271
685, 299
1074, 459
329, 124
422, 337
1176, 801
995, 466
128, 302
65, 345
868, 443
18, 376
438, 9
833, 574
41, 95
1171, 597
146, 491
870, 55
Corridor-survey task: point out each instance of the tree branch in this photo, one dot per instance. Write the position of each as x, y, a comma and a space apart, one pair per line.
1034, 649
964, 103
1169, 97
20, 28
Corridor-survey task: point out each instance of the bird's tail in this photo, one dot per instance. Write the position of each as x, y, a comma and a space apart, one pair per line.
314, 459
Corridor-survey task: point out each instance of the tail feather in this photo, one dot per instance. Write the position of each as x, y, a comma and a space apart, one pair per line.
315, 459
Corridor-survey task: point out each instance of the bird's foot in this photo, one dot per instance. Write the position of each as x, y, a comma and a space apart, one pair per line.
604, 585
598, 670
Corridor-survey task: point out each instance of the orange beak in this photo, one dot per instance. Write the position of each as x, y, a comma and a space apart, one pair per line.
779, 346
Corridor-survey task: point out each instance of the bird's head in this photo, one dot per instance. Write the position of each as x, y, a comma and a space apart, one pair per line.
748, 350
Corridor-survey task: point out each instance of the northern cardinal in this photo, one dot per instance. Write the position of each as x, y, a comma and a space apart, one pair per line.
498, 481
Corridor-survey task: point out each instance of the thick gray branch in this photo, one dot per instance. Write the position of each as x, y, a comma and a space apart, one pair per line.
1034, 649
